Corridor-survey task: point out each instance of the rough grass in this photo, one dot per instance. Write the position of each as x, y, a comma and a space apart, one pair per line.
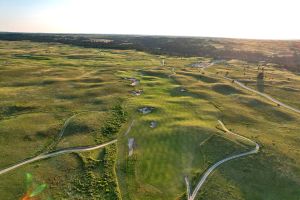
38, 95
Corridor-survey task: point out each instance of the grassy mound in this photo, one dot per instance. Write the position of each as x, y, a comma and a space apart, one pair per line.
225, 89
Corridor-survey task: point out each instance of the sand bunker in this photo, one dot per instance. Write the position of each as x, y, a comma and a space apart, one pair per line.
133, 81
146, 110
153, 124
136, 92
130, 146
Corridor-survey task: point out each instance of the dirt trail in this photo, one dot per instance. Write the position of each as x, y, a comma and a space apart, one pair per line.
69, 120
56, 153
257, 92
264, 95
213, 167
65, 150
130, 126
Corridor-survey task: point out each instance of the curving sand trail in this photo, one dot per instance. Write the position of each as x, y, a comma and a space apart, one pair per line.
213, 167
56, 153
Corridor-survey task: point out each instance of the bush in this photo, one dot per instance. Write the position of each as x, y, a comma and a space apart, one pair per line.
117, 117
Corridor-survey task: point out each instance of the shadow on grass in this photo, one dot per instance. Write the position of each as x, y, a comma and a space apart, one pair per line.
15, 109
255, 177
226, 89
267, 110
177, 92
200, 77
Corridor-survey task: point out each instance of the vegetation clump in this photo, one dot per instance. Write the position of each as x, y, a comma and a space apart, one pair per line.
99, 178
115, 121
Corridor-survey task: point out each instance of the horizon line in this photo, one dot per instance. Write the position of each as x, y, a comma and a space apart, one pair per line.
154, 35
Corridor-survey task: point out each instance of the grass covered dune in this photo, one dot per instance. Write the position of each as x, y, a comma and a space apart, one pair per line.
55, 96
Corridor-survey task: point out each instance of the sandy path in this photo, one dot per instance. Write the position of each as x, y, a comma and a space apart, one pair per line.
264, 95
213, 167
56, 153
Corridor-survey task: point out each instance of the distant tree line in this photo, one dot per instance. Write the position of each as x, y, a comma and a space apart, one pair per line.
175, 46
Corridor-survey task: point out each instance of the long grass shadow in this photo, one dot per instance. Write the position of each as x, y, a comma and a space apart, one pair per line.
226, 89
177, 92
200, 77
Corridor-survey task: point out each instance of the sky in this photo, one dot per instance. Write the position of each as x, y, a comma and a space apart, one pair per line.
254, 19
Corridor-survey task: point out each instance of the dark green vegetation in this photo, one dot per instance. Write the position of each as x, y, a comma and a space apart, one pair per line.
98, 177
44, 84
114, 123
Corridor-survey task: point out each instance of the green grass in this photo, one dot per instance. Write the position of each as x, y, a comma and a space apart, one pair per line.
52, 82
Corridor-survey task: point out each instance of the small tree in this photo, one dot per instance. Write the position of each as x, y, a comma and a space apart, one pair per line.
260, 75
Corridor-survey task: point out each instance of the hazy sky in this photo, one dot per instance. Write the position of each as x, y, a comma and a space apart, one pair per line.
265, 19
